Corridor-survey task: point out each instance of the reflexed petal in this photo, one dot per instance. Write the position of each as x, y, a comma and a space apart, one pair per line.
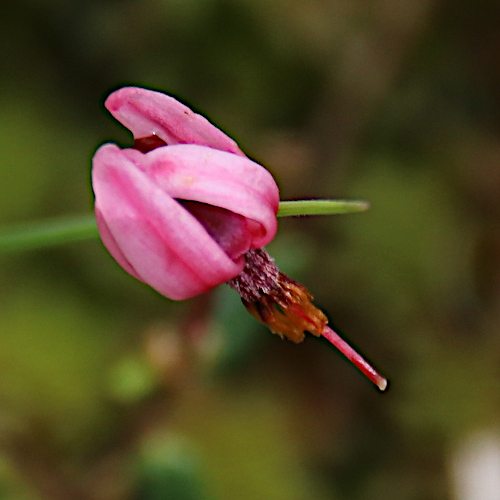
167, 247
147, 113
191, 172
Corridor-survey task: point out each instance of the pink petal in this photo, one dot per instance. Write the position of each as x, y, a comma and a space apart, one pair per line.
198, 173
148, 113
112, 247
166, 246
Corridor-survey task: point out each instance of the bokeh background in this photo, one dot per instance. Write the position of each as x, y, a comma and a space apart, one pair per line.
108, 391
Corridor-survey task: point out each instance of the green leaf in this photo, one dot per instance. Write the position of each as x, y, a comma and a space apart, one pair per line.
321, 207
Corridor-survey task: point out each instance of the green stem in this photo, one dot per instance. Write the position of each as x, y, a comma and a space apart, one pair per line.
48, 233
63, 230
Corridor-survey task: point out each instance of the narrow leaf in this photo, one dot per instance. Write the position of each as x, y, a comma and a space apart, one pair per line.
321, 207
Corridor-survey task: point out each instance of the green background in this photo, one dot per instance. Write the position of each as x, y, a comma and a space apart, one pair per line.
109, 391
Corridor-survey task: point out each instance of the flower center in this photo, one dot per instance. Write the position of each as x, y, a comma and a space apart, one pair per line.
228, 229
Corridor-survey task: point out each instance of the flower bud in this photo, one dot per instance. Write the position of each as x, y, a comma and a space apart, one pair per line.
179, 217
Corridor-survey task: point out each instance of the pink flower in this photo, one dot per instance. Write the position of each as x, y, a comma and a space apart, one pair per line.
184, 210
180, 209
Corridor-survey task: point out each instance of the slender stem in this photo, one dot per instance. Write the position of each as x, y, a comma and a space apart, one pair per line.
321, 207
355, 358
48, 233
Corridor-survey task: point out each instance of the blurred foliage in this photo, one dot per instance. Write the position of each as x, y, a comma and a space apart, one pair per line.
108, 391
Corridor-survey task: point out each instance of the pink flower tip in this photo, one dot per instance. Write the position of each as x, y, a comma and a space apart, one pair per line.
149, 113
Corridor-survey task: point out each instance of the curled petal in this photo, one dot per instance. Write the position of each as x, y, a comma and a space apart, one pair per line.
148, 113
237, 184
151, 234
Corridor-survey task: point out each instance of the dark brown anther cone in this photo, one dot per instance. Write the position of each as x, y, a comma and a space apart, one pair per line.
276, 300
